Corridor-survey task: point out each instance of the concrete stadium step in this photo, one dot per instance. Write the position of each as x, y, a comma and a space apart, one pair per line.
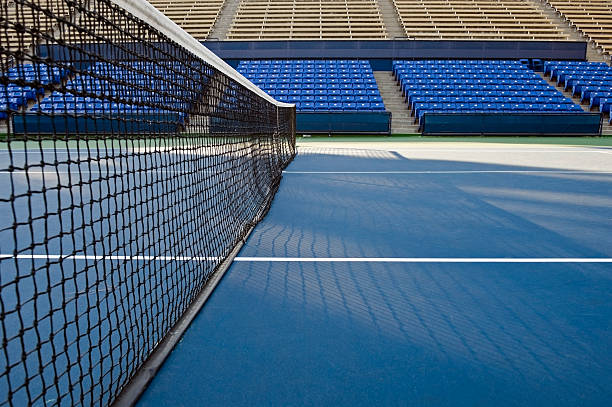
391, 19
566, 93
606, 128
402, 121
225, 20
593, 53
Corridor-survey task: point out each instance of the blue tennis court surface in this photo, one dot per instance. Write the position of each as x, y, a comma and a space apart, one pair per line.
462, 275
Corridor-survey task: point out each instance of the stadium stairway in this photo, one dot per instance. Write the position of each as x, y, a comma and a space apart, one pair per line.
593, 54
566, 93
401, 120
606, 128
224, 22
391, 19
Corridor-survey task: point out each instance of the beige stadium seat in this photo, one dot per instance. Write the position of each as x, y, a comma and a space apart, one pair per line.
195, 17
475, 19
307, 19
48, 26
592, 17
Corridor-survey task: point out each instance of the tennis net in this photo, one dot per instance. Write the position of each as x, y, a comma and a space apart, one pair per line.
133, 163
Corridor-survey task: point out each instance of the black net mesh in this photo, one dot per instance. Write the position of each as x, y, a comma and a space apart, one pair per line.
129, 170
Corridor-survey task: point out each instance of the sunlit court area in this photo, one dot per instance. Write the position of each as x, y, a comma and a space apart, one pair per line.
305, 203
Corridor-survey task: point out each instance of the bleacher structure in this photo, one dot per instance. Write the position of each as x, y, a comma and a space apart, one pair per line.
592, 17
14, 97
316, 85
195, 17
455, 86
475, 20
307, 19
590, 81
15, 12
131, 85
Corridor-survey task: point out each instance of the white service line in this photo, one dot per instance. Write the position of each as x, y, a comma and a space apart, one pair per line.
161, 171
454, 172
421, 260
322, 259
421, 149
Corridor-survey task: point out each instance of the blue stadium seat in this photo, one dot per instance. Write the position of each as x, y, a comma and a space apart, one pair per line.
330, 84
477, 86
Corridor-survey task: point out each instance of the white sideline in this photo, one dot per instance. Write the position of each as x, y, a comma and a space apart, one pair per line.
320, 259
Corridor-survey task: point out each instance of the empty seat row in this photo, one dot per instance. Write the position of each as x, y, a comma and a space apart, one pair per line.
337, 84
309, 77
324, 91
339, 106
420, 108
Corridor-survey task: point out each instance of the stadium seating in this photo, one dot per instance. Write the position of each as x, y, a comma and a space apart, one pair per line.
316, 85
475, 19
592, 81
195, 17
449, 86
592, 17
15, 15
104, 95
307, 19
13, 97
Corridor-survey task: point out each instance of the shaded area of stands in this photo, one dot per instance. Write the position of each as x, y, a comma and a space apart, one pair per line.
592, 81
592, 17
380, 53
475, 19
307, 19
